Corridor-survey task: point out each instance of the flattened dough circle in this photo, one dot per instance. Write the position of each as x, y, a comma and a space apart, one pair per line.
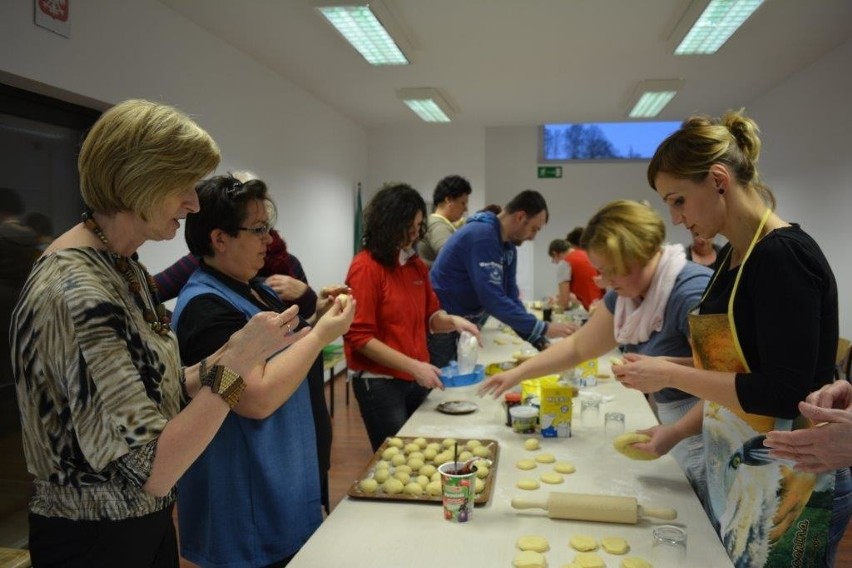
533, 542
583, 543
615, 545
528, 483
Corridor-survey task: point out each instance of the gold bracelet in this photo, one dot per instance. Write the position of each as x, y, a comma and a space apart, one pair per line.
226, 383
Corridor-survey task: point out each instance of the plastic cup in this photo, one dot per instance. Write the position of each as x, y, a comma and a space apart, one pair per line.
614, 424
590, 412
668, 546
524, 418
458, 492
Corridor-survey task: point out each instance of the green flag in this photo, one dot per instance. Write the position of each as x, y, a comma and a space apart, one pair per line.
359, 222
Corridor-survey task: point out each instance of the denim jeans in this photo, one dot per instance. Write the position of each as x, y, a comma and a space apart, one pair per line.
840, 512
386, 404
443, 348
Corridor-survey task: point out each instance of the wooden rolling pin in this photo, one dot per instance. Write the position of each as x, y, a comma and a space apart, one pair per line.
603, 508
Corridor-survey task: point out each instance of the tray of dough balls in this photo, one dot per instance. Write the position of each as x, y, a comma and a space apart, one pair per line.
406, 469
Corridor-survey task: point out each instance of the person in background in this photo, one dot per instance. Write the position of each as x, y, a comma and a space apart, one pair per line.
475, 275
582, 274
493, 208
386, 345
653, 288
703, 251
449, 204
759, 348
260, 472
556, 250
108, 424
823, 449
42, 226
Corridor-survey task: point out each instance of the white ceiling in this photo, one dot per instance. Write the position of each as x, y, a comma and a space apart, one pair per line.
526, 62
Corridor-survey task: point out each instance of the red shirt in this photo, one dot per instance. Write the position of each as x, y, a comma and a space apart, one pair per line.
582, 277
394, 306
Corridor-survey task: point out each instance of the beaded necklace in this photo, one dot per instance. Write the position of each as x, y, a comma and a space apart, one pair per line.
158, 318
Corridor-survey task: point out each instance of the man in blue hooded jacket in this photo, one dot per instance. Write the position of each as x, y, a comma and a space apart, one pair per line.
475, 276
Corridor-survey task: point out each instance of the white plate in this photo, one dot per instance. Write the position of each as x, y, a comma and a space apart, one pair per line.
457, 407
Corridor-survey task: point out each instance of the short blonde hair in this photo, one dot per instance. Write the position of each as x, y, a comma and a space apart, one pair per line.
138, 153
702, 141
625, 232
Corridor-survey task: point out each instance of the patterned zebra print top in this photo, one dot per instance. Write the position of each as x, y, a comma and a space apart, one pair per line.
95, 388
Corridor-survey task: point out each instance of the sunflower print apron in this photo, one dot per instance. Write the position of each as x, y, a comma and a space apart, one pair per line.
766, 513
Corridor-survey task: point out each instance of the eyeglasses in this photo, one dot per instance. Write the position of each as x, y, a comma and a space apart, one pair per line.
260, 232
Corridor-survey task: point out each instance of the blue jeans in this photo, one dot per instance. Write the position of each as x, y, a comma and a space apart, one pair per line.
840, 512
386, 404
443, 348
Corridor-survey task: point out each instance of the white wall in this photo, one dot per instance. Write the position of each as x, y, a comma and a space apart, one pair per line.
311, 155
511, 160
805, 124
421, 155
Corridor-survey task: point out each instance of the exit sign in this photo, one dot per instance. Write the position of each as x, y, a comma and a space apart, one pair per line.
550, 171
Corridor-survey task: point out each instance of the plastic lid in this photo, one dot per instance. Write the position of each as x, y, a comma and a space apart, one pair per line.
512, 397
523, 411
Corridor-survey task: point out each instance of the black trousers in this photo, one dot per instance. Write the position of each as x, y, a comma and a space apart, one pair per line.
147, 541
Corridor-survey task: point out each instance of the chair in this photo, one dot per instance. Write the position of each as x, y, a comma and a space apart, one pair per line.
843, 361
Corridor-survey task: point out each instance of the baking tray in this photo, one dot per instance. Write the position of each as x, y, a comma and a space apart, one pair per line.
481, 499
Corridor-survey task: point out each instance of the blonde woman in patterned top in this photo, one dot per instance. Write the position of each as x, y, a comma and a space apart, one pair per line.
99, 381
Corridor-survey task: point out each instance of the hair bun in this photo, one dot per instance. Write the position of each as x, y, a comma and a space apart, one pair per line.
745, 132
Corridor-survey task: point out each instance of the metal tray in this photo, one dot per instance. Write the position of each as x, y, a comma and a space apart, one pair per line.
481, 499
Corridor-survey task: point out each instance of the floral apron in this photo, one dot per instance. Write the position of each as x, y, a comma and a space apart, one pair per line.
765, 513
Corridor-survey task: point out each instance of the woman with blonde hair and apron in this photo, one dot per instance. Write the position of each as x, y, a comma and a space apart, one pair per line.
764, 336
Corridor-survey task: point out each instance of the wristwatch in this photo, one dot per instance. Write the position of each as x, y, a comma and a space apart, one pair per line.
225, 382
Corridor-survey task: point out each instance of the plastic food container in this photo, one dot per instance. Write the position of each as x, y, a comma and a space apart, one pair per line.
451, 378
524, 418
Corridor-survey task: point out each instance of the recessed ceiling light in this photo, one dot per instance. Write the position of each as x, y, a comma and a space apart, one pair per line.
718, 22
427, 103
362, 27
651, 97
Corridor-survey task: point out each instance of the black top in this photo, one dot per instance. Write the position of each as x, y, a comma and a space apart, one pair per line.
786, 314
209, 320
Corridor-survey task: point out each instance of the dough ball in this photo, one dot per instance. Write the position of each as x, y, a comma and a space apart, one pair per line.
397, 460
393, 486
436, 477
402, 476
344, 300
415, 464
526, 464
478, 485
389, 453
482, 452
564, 467
368, 485
403, 468
416, 456
552, 478
421, 442
615, 545
482, 463
428, 470
413, 488
470, 444
589, 560
635, 562
429, 454
434, 446
545, 458
616, 361
448, 443
583, 543
529, 559
422, 480
532, 444
411, 448
482, 472
624, 444
434, 488
443, 458
395, 443
381, 475
465, 455
528, 483
382, 464
532, 542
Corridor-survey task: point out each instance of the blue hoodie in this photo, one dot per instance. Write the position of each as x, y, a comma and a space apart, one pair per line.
475, 276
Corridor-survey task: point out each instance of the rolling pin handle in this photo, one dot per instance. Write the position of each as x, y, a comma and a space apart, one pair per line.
665, 514
518, 503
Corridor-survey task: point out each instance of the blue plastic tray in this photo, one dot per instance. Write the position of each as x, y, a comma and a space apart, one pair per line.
453, 380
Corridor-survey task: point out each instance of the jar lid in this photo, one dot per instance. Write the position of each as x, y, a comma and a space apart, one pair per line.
523, 412
512, 397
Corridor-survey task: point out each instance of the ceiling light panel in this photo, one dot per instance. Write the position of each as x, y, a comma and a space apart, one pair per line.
652, 96
718, 22
361, 28
427, 103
